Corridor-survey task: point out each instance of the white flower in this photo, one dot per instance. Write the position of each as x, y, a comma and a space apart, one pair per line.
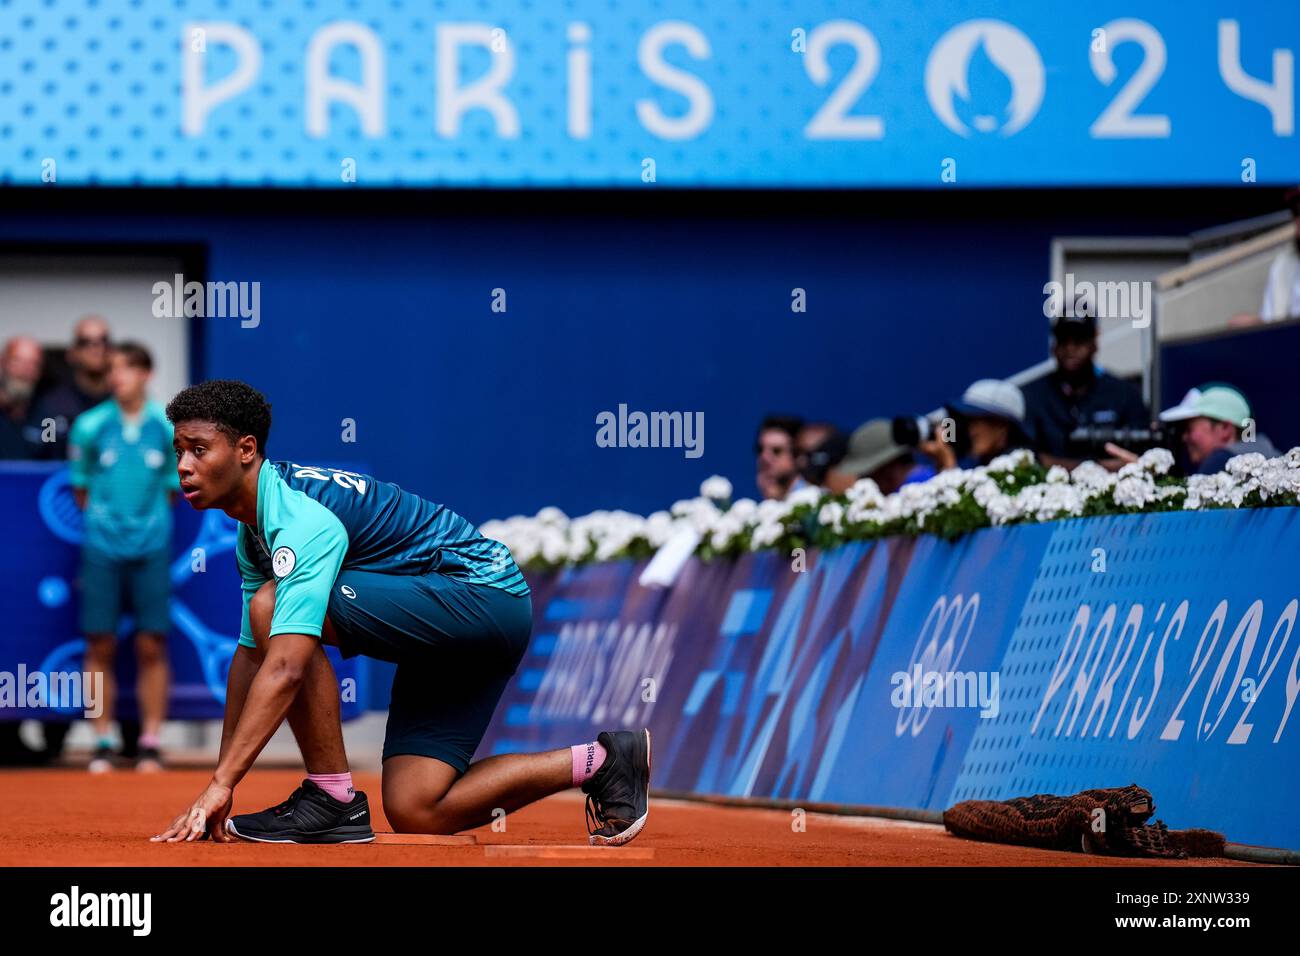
804, 496
985, 491
553, 537
766, 534
1134, 491
1092, 477
1158, 460
1002, 509
659, 528
552, 516
725, 531
1011, 461
832, 516
1245, 466
704, 516
716, 488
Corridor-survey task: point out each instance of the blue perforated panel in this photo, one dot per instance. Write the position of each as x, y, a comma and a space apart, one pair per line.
747, 92
1155, 563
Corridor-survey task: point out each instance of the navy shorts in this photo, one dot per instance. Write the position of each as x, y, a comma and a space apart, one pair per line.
146, 582
456, 645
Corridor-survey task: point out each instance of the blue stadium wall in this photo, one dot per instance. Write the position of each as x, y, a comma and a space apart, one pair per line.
378, 307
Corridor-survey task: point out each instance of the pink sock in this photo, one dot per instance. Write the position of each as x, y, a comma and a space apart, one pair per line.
587, 759
337, 785
150, 741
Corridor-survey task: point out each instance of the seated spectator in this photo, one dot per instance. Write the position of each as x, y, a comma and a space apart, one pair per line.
774, 448
872, 453
994, 413
1077, 394
819, 446
20, 370
1212, 419
1282, 292
88, 357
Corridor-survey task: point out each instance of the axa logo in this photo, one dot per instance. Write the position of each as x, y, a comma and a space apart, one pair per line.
968, 73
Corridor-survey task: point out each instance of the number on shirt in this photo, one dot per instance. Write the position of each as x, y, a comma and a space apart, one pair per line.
344, 479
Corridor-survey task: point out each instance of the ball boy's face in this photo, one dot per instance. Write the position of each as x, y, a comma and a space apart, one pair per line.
211, 466
127, 381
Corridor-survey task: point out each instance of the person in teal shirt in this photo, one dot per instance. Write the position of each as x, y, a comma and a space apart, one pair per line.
336, 557
120, 462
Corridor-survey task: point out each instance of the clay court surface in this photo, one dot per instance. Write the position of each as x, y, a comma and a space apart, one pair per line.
71, 818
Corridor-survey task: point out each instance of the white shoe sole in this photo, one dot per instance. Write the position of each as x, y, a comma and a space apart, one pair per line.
230, 826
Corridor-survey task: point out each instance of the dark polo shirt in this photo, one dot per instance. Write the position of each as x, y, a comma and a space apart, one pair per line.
1051, 414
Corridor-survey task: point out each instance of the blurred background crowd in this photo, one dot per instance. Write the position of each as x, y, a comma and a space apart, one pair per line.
1074, 411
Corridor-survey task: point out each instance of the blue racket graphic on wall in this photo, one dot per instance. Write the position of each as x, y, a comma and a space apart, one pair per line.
215, 536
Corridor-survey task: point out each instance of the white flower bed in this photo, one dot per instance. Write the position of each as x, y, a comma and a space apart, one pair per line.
1011, 489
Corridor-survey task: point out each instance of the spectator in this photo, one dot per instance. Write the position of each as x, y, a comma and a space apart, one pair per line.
20, 370
1282, 293
775, 451
873, 453
1212, 418
121, 454
89, 359
1076, 394
820, 446
994, 413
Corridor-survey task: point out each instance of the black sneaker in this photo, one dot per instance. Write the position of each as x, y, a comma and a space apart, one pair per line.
149, 760
310, 815
618, 794
102, 760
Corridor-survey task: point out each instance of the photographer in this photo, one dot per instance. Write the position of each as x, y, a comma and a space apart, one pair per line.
873, 453
820, 447
1077, 395
1212, 419
991, 423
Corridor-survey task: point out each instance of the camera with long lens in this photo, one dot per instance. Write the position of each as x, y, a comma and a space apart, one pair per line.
911, 430
1089, 441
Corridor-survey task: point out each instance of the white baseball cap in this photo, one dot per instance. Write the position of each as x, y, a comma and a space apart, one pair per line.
993, 397
1222, 403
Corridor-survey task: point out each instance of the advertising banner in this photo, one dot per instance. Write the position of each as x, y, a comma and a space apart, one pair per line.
823, 93
1150, 649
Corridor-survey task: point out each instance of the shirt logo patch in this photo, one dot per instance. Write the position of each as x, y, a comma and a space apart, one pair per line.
153, 458
282, 561
347, 592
